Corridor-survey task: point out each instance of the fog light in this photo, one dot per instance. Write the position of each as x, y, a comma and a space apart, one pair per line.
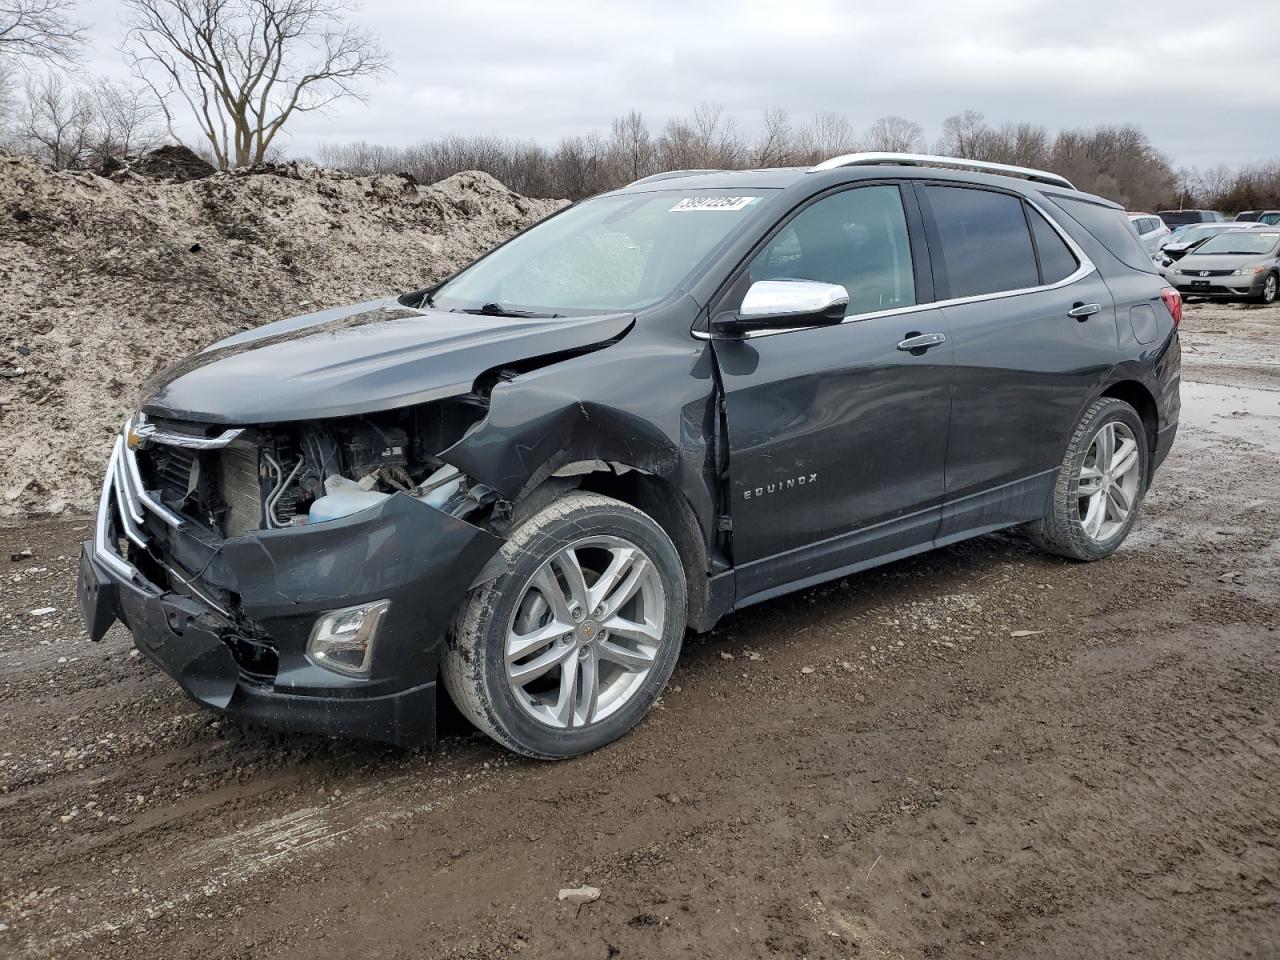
342, 640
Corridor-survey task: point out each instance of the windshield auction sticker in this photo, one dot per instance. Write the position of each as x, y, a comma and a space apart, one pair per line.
711, 203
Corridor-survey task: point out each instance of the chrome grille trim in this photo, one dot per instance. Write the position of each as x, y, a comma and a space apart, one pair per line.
130, 516
151, 434
135, 481
122, 488
102, 552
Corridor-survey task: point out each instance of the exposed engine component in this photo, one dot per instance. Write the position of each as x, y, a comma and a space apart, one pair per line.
373, 447
240, 488
282, 484
290, 475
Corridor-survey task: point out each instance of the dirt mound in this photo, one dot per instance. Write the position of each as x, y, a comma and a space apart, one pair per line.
104, 282
164, 163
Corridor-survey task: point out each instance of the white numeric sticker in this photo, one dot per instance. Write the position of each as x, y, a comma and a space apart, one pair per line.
711, 203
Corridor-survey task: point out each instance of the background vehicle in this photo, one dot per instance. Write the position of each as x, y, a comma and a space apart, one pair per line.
1270, 217
1185, 239
1235, 265
1177, 218
1151, 230
665, 403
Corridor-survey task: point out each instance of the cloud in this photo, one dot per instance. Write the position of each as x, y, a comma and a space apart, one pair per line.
1203, 85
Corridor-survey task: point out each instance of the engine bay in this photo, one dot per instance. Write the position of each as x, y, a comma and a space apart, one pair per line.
295, 474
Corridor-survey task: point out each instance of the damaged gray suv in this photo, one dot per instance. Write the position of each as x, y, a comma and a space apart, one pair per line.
665, 403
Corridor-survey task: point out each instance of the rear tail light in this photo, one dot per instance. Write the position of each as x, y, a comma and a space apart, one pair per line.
1173, 300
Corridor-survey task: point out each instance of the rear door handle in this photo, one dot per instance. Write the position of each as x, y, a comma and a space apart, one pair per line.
1083, 311
921, 341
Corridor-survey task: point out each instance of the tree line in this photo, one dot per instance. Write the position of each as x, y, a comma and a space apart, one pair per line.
238, 71
1114, 161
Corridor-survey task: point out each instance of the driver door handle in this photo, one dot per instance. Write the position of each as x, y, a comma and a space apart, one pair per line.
1083, 311
921, 341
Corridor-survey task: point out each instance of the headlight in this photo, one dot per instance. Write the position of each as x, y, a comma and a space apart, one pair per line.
1248, 271
342, 640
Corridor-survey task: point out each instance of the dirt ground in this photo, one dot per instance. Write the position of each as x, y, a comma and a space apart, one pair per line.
982, 752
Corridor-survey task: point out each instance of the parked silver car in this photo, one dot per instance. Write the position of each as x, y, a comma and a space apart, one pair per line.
1151, 231
1185, 239
1236, 265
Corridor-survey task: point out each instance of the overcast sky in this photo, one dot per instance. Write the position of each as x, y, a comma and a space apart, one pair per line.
1201, 79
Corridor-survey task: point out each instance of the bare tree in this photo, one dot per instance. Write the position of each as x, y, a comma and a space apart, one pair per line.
631, 147
894, 134
244, 67
41, 30
8, 90
965, 135
56, 122
829, 135
126, 121
776, 142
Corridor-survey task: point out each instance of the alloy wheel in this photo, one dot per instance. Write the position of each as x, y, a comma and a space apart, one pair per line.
1269, 289
1109, 481
585, 632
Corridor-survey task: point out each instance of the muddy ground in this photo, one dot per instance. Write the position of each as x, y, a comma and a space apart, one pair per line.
983, 752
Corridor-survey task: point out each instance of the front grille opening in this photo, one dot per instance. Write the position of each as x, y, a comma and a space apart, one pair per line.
258, 660
173, 471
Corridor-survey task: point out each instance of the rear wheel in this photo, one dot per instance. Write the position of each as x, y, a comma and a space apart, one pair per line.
570, 646
1099, 485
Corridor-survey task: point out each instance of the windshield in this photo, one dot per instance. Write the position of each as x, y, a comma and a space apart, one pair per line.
1242, 242
1197, 232
610, 253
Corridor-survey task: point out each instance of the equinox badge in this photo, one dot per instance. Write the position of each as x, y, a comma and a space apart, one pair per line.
804, 480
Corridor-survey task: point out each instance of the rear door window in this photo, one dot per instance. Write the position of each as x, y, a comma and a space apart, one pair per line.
986, 245
1057, 262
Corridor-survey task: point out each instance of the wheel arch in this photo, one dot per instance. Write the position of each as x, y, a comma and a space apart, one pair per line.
1137, 395
657, 496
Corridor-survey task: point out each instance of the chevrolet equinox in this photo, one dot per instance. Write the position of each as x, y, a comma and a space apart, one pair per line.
654, 407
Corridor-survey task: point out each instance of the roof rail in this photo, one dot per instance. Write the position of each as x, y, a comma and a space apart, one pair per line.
671, 175
925, 160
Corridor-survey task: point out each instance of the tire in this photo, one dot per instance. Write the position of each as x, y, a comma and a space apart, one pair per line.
530, 610
1270, 289
1074, 528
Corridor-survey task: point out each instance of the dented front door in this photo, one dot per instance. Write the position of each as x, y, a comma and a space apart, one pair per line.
837, 440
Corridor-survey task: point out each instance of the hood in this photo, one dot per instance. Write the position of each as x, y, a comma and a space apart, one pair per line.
359, 359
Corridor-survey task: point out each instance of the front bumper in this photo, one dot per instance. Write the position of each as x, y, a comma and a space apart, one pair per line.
234, 635
1230, 288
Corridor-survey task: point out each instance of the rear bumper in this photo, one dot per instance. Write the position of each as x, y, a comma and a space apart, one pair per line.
234, 635
1164, 443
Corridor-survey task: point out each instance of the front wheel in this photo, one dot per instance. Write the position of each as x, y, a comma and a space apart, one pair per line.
570, 646
1099, 485
1270, 289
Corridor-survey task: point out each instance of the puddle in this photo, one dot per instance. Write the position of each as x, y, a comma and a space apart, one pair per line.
1246, 413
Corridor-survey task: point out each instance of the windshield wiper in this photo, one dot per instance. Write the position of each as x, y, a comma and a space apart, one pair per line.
498, 310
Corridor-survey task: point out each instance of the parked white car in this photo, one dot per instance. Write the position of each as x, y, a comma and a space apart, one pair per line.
1151, 231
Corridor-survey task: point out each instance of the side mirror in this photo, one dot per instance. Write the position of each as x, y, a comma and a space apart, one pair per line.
782, 304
